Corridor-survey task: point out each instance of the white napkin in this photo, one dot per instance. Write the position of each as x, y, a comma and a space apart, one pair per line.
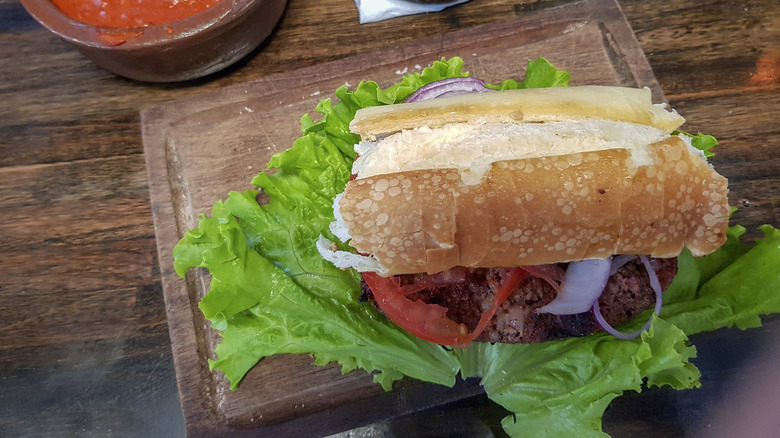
378, 10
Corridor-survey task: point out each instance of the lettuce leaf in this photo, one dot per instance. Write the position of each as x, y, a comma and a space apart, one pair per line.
271, 292
538, 74
563, 387
737, 284
700, 141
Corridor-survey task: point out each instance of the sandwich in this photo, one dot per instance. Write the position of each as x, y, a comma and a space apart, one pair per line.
524, 215
272, 292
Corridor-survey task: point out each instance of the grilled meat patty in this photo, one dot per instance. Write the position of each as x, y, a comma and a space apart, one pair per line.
628, 293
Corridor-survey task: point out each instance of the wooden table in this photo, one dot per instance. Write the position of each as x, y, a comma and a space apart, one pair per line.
86, 349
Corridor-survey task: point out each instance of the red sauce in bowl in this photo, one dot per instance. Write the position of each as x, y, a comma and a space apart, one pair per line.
131, 13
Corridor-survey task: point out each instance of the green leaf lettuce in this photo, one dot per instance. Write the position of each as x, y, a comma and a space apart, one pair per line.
272, 293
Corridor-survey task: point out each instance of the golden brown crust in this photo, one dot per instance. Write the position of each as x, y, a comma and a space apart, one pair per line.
540, 210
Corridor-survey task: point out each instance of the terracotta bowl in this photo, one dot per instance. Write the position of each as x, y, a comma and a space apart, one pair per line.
184, 49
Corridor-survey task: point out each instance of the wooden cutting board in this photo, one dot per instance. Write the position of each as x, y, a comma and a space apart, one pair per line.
198, 149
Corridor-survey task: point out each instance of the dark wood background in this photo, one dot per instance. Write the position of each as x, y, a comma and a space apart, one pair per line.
85, 347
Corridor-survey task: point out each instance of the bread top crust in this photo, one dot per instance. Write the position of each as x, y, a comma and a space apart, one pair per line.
532, 105
540, 210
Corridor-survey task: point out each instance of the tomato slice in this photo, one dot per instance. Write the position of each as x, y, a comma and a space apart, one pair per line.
504, 291
430, 321
426, 282
551, 273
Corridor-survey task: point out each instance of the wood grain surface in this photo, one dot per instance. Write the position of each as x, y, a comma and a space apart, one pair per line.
86, 347
199, 148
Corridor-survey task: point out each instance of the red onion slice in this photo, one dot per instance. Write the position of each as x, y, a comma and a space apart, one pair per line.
582, 285
655, 284
447, 87
619, 260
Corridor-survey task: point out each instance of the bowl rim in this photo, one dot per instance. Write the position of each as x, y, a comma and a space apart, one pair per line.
89, 35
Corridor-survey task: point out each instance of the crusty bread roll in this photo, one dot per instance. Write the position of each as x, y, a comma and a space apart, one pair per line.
599, 176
